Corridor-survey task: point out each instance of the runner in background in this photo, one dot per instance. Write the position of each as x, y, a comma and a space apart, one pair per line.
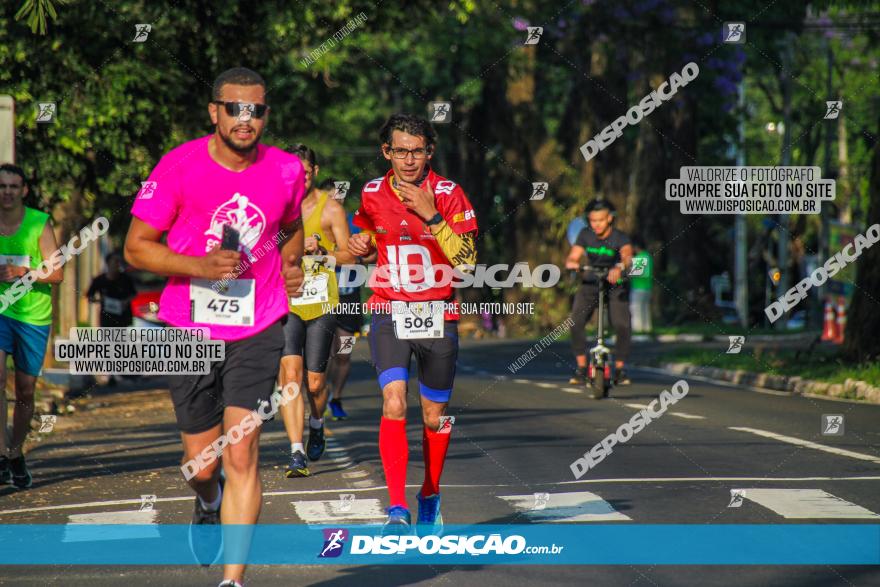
641, 284
26, 239
348, 328
114, 290
308, 334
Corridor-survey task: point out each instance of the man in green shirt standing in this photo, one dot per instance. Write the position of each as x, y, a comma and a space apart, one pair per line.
640, 282
26, 239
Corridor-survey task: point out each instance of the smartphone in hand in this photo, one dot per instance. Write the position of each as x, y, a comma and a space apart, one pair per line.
229, 241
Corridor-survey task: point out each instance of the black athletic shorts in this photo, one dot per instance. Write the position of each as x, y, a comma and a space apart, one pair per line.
310, 339
244, 378
350, 322
435, 357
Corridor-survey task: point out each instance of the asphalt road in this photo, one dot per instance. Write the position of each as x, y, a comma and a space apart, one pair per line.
515, 435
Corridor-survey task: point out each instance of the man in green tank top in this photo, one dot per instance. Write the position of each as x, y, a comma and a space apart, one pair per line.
26, 239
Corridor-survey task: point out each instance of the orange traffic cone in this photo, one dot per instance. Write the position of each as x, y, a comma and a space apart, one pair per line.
841, 320
829, 326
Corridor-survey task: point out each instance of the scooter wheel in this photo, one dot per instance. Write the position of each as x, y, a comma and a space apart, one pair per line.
598, 384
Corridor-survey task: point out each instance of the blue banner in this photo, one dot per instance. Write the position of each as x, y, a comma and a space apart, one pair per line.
543, 544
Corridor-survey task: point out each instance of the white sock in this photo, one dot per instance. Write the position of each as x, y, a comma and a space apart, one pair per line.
297, 446
316, 422
214, 505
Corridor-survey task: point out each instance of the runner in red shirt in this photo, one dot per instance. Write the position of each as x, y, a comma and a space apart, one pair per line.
423, 226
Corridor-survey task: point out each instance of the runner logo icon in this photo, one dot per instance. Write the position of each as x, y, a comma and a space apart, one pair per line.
446, 423
334, 539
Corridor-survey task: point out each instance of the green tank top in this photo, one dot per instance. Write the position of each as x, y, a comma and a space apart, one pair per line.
317, 276
23, 248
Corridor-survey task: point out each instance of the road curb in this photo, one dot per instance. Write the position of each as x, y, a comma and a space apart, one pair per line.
863, 392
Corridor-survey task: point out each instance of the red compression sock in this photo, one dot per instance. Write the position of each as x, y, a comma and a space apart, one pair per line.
434, 447
394, 450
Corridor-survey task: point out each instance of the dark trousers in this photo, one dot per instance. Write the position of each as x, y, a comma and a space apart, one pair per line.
586, 300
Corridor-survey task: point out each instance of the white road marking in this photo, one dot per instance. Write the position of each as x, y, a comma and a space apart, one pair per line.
525, 381
330, 511
98, 504
808, 444
572, 390
366, 483
807, 503
578, 506
77, 529
679, 414
546, 385
354, 474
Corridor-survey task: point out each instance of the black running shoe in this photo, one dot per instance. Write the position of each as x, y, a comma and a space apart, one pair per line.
620, 378
5, 471
579, 377
206, 533
21, 477
298, 466
316, 444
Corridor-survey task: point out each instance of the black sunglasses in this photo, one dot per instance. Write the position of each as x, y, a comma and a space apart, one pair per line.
236, 108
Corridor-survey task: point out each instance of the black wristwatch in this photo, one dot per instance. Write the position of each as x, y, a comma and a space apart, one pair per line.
435, 219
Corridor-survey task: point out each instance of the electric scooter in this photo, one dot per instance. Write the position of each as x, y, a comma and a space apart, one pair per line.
600, 367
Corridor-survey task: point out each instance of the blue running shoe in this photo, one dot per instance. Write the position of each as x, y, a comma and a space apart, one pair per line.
430, 520
206, 533
298, 466
336, 409
398, 523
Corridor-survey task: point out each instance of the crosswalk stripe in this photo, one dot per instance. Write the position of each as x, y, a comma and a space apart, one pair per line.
572, 390
329, 511
807, 503
576, 506
546, 385
806, 443
143, 525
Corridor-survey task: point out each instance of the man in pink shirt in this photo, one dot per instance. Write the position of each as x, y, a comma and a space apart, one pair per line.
196, 193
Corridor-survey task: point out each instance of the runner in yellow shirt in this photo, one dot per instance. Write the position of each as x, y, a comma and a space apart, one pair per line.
308, 334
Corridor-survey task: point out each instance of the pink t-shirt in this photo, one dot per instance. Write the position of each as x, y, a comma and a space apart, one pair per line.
191, 196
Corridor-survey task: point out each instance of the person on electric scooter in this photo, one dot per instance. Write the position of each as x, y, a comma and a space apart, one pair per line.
606, 247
